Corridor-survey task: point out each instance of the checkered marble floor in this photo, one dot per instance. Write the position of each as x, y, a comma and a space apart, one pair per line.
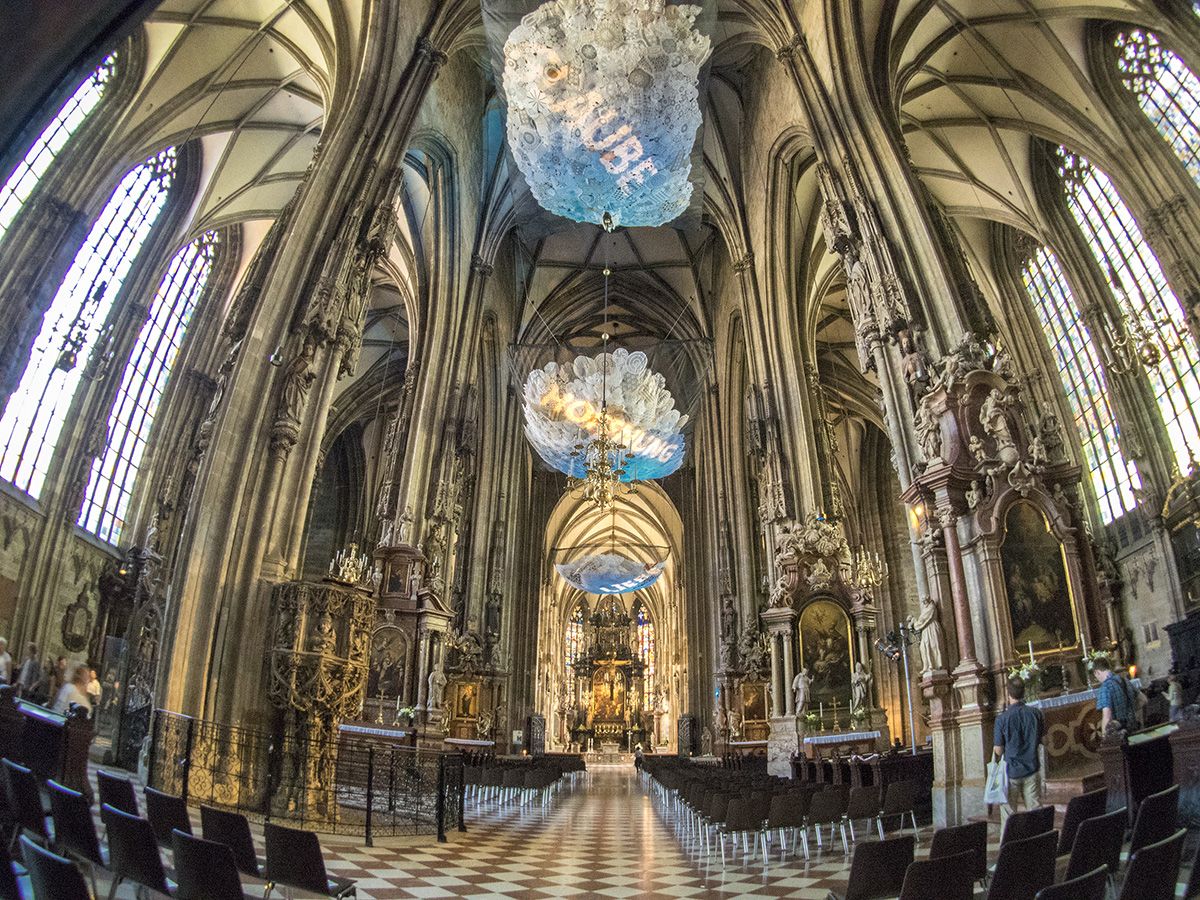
604, 839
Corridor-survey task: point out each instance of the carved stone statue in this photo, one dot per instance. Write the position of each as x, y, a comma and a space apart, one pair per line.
801, 688
729, 618
993, 416
928, 625
929, 431
860, 687
323, 638
973, 495
781, 594
437, 686
405, 524
914, 366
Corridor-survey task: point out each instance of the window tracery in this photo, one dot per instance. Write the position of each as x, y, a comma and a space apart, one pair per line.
1075, 354
645, 640
1152, 316
54, 137
573, 641
1167, 91
106, 499
76, 323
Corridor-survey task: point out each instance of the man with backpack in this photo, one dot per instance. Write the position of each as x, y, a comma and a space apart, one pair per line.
1116, 699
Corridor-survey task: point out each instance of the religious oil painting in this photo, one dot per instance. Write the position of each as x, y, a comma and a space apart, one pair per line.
1035, 577
754, 701
608, 695
385, 677
466, 700
825, 651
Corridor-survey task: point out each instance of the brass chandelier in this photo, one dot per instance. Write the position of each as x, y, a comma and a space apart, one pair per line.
604, 461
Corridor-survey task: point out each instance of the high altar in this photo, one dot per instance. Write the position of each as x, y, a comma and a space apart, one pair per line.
610, 688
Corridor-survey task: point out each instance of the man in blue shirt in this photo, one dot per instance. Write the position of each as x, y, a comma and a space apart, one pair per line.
1114, 699
1017, 737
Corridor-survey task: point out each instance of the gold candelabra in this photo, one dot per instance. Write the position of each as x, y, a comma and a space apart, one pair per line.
870, 569
603, 465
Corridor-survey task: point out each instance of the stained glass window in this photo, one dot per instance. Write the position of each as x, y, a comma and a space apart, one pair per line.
645, 639
74, 323
574, 638
114, 471
50, 142
1167, 91
1078, 363
1153, 315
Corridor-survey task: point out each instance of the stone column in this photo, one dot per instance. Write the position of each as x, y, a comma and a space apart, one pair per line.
963, 626
776, 705
783, 742
788, 675
422, 667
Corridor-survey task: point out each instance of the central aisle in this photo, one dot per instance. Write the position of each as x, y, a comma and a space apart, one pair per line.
603, 839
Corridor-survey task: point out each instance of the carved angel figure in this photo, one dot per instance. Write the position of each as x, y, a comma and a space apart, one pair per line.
860, 686
928, 625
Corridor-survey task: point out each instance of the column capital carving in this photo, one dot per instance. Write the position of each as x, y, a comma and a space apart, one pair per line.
426, 48
481, 267
947, 517
788, 50
745, 263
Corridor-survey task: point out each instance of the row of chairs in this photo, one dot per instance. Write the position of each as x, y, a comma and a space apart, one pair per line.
1030, 853
753, 810
522, 783
205, 868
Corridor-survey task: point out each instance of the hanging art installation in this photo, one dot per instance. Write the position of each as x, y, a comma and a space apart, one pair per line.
603, 107
609, 573
613, 396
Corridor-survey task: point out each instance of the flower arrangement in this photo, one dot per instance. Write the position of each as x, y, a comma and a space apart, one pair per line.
1027, 672
1090, 657
858, 716
811, 718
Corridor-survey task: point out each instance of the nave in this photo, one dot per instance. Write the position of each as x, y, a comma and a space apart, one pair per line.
603, 837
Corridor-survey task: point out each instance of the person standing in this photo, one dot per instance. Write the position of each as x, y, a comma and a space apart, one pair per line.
5, 663
1114, 698
1017, 736
1175, 697
73, 693
31, 672
94, 691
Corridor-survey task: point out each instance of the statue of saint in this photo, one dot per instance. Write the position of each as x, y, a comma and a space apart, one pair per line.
801, 688
437, 687
860, 687
323, 637
928, 625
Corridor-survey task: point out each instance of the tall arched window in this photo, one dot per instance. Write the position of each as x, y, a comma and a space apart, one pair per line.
1167, 91
1152, 313
35, 413
115, 470
573, 642
645, 640
50, 142
1113, 478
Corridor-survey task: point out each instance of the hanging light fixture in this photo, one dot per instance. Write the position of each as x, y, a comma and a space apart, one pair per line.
609, 573
603, 107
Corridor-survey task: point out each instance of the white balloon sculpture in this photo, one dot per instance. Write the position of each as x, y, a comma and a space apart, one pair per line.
603, 107
562, 412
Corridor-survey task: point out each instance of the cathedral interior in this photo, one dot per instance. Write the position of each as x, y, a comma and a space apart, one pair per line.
717, 380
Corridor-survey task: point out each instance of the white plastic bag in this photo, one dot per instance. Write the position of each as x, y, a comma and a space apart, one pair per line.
996, 791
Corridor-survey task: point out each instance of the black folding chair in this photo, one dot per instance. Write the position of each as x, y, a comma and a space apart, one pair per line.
117, 792
294, 860
948, 877
955, 839
878, 868
167, 814
1156, 819
1090, 886
1024, 867
205, 870
133, 851
1028, 823
233, 830
1154, 870
1080, 808
52, 877
26, 799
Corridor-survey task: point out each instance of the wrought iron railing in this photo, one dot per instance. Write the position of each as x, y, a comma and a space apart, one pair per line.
345, 785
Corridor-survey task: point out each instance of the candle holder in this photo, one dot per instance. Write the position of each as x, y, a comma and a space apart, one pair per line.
895, 648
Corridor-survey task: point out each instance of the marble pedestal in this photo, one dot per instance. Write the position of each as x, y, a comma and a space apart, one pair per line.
784, 741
